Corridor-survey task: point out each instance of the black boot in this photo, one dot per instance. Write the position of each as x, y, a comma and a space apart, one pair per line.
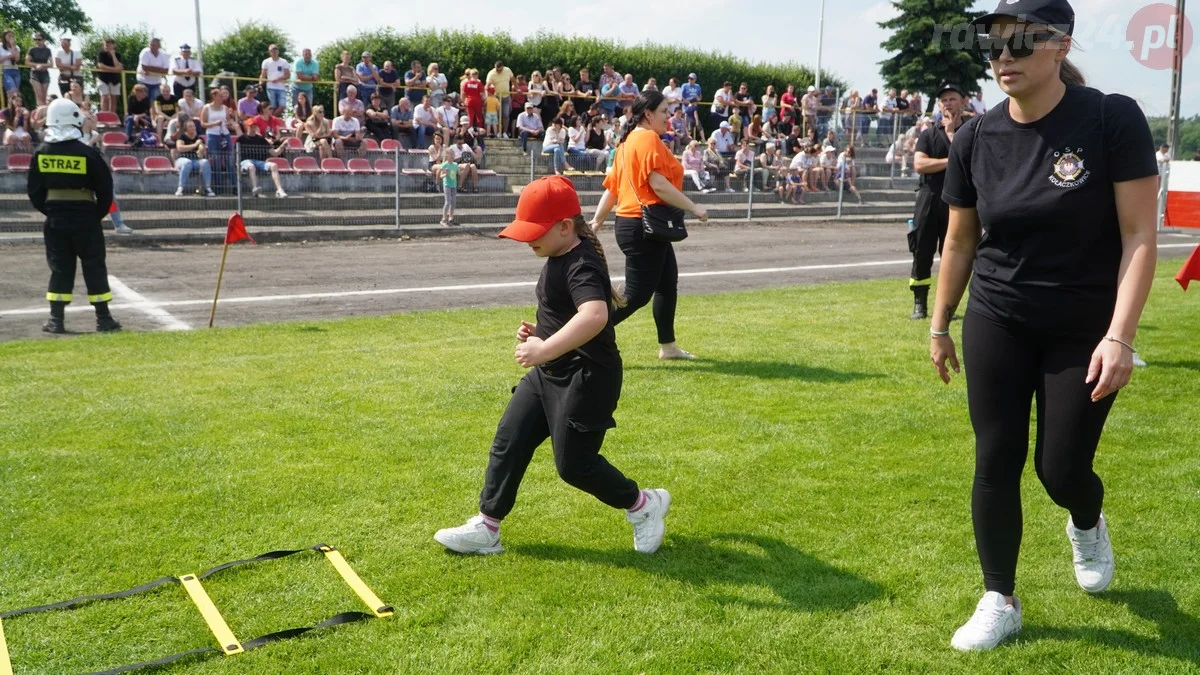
105, 323
55, 323
920, 303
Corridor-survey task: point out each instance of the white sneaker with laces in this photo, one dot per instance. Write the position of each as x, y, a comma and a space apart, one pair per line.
994, 621
648, 526
474, 537
1093, 556
281, 194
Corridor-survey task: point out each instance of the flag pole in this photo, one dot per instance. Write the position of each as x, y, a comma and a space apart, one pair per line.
213, 314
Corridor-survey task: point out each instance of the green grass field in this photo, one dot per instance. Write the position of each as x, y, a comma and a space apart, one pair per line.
820, 474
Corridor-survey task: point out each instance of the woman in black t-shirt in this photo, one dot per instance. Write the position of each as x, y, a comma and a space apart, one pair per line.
1052, 204
38, 60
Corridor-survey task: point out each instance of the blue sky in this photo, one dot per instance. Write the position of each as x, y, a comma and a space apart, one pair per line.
851, 46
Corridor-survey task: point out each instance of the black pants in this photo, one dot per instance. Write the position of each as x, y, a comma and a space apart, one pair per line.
931, 217
574, 410
1007, 367
64, 243
650, 272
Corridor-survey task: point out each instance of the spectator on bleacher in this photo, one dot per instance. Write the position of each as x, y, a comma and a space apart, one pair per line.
519, 97
69, 63
722, 100
247, 106
254, 149
568, 113
691, 90
165, 107
674, 95
585, 90
788, 106
446, 118
186, 70
895, 152
414, 80
736, 123
108, 75
38, 61
345, 75
608, 97
465, 155
827, 109
153, 66
724, 140
379, 119
424, 122
870, 110
217, 118
754, 132
716, 164
596, 137
977, 104
347, 134
794, 143
301, 108
190, 104
537, 91
847, 173
10, 57
354, 104
904, 120
436, 82
190, 156
679, 129
627, 91
471, 90
275, 74
744, 101
916, 105
139, 111
554, 145
887, 115
492, 106
743, 163
652, 85
401, 116
435, 152
388, 77
75, 94
770, 103
501, 78
176, 126
577, 147
368, 76
529, 125
269, 125
625, 118
16, 120
852, 114
693, 167
827, 162
552, 102
568, 91
810, 103
771, 165
318, 135
306, 70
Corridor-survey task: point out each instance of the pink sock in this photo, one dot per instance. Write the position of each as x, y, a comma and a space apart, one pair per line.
490, 523
641, 502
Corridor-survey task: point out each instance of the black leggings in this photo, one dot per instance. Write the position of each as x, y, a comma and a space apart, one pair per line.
1007, 366
650, 272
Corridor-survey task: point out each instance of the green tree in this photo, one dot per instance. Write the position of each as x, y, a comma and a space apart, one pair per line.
28, 16
929, 43
242, 50
130, 41
1189, 135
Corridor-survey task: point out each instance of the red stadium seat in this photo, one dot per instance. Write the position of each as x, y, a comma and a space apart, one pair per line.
359, 165
390, 145
282, 163
125, 164
333, 165
306, 164
19, 162
115, 139
414, 172
295, 144
370, 145
108, 119
385, 165
158, 164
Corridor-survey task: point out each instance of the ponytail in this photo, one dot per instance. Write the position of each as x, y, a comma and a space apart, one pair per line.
1071, 75
647, 102
584, 231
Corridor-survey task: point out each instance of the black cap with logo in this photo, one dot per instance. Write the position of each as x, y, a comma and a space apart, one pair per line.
1055, 13
948, 86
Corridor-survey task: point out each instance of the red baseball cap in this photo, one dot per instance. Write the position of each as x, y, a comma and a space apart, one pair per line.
544, 203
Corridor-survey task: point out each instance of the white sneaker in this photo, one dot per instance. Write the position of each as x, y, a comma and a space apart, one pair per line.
648, 527
474, 537
256, 192
1093, 555
994, 621
281, 194
208, 192
178, 192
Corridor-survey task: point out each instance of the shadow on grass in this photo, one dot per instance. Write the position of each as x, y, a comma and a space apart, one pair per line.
1184, 365
1178, 633
766, 370
799, 581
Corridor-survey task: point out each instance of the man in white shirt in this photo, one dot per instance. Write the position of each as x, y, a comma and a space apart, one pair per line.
424, 122
1164, 158
276, 72
529, 125
346, 131
723, 137
70, 66
153, 63
186, 70
977, 104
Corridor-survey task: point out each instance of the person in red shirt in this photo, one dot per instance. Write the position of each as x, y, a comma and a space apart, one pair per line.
787, 104
268, 124
472, 94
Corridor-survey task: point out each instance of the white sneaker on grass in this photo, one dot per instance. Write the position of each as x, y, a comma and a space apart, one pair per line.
994, 621
474, 537
648, 526
1093, 556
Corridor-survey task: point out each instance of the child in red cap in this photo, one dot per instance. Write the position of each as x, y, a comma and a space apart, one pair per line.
574, 381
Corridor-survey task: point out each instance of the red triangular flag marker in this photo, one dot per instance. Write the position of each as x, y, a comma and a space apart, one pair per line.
1190, 271
236, 230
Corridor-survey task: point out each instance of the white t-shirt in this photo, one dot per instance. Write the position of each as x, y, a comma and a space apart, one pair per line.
670, 93
194, 109
745, 157
180, 63
146, 58
447, 117
423, 117
6, 55
721, 102
1163, 161
277, 68
578, 139
343, 126
72, 59
978, 106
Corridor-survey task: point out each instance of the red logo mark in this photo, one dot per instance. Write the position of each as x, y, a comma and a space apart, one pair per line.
1151, 35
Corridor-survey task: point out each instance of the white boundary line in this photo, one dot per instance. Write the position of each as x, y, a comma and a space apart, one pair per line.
141, 303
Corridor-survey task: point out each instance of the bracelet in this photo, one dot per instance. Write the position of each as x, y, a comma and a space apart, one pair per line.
938, 333
1113, 338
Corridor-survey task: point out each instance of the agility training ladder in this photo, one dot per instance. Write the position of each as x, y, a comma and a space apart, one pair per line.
228, 643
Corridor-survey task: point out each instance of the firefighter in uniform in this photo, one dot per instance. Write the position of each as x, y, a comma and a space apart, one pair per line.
932, 214
71, 184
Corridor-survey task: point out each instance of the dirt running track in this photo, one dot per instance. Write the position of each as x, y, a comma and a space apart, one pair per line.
165, 288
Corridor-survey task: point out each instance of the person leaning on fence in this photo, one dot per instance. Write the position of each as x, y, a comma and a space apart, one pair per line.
69, 62
187, 70
38, 60
189, 157
306, 71
108, 75
345, 75
645, 172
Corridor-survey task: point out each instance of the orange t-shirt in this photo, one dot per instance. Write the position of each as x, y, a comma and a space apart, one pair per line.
642, 152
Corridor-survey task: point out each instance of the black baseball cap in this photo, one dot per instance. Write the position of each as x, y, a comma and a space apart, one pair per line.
950, 87
1055, 13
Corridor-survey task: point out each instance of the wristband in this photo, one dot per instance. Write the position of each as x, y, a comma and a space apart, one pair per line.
938, 333
1113, 338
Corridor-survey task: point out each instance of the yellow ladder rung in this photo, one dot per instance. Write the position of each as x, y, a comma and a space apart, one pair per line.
216, 623
5, 664
377, 606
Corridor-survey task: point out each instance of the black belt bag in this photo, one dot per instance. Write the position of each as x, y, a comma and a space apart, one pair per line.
660, 222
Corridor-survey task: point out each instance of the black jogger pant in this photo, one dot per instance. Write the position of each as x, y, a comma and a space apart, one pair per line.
65, 243
650, 272
1007, 367
574, 410
931, 216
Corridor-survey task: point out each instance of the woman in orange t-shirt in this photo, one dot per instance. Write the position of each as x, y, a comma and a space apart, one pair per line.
645, 172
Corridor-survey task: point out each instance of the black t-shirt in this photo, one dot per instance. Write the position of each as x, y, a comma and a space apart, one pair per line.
586, 88
595, 139
936, 145
784, 127
167, 103
1051, 246
139, 106
106, 59
188, 138
567, 281
795, 144
743, 101
254, 147
39, 55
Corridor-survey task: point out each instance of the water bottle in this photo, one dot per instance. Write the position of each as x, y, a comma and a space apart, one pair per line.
912, 226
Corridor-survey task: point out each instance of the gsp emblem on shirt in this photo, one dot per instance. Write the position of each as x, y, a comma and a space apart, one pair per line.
1068, 169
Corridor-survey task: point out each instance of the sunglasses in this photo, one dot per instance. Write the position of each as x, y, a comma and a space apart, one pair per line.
1020, 44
